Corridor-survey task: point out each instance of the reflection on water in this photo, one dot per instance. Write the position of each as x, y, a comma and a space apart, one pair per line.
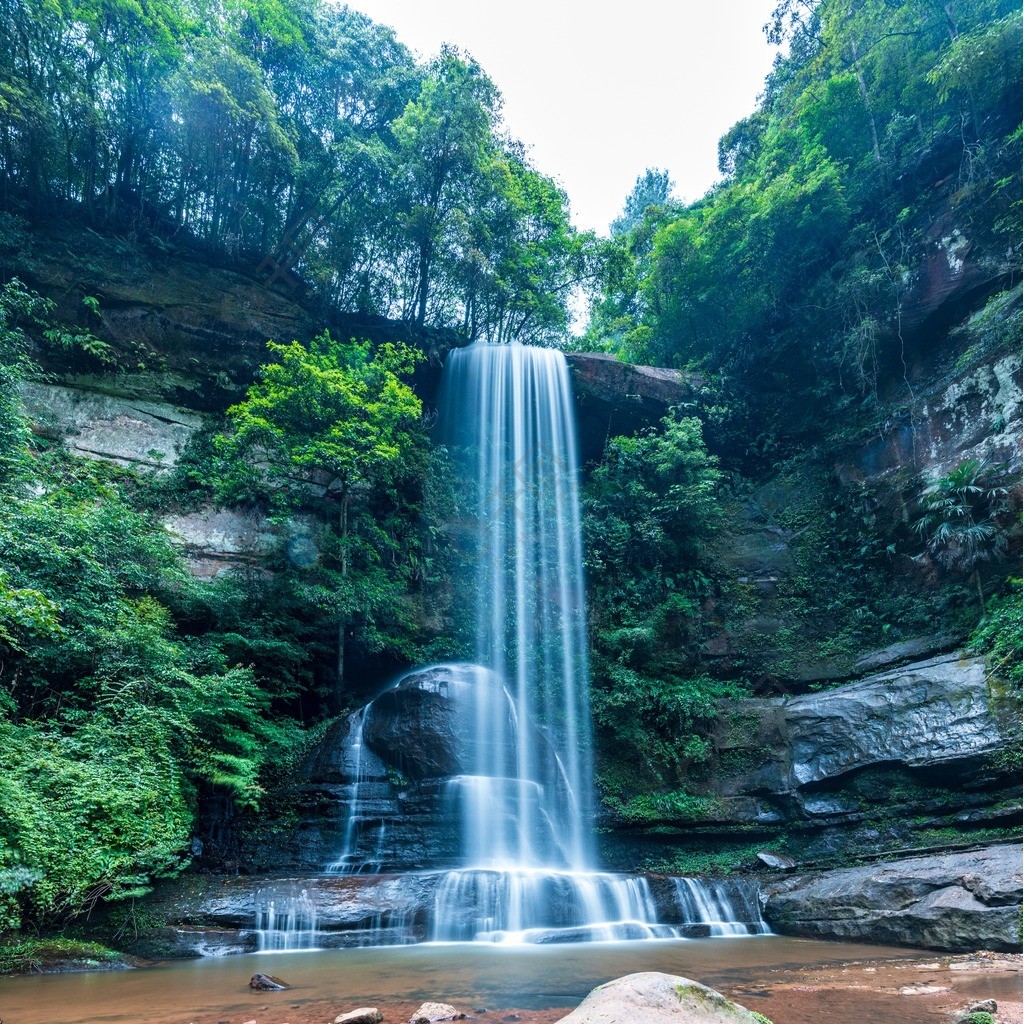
470, 976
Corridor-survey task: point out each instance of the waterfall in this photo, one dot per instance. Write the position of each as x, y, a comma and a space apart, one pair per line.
719, 908
496, 755
508, 418
365, 808
285, 922
542, 906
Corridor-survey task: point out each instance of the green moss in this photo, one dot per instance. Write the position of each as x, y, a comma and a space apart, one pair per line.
714, 857
679, 806
33, 955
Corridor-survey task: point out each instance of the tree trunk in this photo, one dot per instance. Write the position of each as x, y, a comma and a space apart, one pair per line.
862, 85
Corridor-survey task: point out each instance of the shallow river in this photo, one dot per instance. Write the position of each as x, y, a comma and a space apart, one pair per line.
538, 983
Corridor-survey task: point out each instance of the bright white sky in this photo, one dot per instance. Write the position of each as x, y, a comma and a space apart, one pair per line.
601, 92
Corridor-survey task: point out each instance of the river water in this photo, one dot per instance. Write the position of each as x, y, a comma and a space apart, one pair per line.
539, 983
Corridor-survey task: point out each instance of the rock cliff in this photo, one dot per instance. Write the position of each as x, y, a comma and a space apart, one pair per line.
958, 902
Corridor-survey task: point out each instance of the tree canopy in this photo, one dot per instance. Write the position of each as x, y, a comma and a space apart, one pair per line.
299, 136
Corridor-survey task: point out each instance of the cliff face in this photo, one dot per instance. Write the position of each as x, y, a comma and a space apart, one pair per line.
909, 758
881, 761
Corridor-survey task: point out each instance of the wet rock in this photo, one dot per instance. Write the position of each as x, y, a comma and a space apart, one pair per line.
422, 724
428, 1013
952, 902
776, 861
267, 983
656, 998
904, 651
928, 714
364, 1015
985, 1006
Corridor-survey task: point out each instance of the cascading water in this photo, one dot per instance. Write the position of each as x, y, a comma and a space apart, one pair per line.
719, 908
365, 806
525, 809
508, 417
285, 922
506, 771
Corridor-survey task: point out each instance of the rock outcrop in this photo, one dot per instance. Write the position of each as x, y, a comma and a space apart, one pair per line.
214, 539
131, 432
656, 998
613, 397
217, 916
907, 758
927, 714
955, 902
375, 789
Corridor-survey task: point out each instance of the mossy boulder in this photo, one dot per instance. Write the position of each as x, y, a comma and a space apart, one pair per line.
657, 998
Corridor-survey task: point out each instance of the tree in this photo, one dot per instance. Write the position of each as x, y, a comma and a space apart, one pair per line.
444, 140
652, 188
322, 423
961, 523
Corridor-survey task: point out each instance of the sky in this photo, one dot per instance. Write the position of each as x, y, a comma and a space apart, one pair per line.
599, 92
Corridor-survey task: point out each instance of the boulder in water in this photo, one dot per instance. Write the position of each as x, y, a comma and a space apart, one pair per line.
428, 1013
267, 983
656, 998
364, 1015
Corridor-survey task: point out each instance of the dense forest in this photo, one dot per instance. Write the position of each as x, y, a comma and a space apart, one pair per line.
303, 142
298, 134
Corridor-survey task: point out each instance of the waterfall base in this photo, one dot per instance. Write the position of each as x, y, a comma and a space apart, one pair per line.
511, 907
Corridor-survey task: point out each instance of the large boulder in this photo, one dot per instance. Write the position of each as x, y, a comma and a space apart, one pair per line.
424, 726
378, 791
656, 998
954, 902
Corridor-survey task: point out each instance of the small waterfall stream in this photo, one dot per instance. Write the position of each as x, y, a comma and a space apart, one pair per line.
723, 907
285, 922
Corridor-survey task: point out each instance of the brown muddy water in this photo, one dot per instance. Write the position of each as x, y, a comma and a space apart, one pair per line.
791, 981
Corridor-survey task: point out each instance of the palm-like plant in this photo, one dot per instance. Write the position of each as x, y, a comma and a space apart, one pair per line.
961, 524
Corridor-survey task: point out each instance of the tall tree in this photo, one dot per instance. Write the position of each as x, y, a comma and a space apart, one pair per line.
322, 424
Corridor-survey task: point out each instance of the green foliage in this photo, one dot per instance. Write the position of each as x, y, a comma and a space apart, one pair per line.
977, 1017
30, 955
997, 636
961, 523
788, 283
113, 717
676, 807
326, 418
647, 508
333, 430
653, 188
714, 857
